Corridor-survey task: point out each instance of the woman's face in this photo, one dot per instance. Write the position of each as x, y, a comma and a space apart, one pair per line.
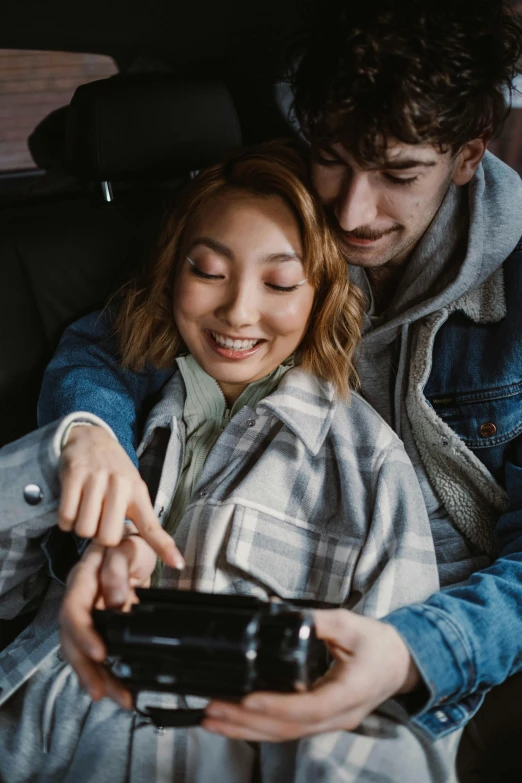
241, 298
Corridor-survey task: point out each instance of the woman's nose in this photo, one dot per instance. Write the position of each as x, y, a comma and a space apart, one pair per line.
239, 306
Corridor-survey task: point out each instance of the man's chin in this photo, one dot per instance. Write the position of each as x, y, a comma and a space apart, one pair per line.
370, 256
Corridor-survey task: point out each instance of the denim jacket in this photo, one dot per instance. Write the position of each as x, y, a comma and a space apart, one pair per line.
465, 639
475, 388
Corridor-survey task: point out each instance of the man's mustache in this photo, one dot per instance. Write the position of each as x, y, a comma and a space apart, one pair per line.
363, 232
368, 233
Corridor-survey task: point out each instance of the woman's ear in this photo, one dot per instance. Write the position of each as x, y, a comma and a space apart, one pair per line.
468, 160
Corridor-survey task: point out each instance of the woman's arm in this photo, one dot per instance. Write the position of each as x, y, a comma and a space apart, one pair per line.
105, 578
85, 375
29, 494
397, 565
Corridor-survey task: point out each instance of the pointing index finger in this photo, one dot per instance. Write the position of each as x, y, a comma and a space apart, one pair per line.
151, 531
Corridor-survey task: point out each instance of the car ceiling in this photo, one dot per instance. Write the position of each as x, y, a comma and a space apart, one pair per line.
226, 34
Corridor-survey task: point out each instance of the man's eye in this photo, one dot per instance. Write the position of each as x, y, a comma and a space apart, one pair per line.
323, 161
285, 289
401, 180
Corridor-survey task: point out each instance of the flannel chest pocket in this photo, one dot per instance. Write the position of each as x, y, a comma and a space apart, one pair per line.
292, 558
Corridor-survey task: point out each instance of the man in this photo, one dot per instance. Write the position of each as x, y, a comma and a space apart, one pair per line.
398, 101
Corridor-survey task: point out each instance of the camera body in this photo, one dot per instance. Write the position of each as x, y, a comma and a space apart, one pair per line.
211, 645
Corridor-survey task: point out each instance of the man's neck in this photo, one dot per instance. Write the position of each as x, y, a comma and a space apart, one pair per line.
384, 281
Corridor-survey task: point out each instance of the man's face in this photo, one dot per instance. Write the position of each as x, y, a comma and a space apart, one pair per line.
383, 210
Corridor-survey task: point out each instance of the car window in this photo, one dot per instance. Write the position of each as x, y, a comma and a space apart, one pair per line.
33, 84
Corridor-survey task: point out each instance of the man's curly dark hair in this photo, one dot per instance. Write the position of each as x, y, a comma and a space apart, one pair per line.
420, 71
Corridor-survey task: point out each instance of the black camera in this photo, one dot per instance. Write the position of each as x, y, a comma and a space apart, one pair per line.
211, 645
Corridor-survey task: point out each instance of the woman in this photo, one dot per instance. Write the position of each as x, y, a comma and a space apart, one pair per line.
273, 477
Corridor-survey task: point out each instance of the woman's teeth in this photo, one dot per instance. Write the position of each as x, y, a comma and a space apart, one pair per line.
235, 345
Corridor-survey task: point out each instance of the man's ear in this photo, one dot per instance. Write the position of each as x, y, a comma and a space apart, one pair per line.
468, 160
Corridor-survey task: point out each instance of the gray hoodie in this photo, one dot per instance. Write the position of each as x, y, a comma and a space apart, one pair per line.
473, 232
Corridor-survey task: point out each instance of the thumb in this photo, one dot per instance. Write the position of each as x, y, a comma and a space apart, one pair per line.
340, 627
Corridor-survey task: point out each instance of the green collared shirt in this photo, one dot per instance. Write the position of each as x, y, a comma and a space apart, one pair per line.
205, 416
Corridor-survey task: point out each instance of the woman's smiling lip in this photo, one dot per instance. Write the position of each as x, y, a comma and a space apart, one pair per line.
231, 353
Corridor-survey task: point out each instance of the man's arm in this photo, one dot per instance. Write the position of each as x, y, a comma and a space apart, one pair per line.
475, 628
85, 375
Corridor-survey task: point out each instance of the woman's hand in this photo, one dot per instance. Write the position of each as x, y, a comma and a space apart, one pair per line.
101, 488
103, 578
371, 664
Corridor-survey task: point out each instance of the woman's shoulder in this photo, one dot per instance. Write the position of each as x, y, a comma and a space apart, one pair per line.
311, 405
358, 421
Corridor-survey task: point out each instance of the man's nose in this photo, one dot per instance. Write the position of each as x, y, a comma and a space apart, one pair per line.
356, 204
239, 306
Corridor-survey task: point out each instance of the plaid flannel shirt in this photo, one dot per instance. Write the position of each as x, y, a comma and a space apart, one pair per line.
304, 497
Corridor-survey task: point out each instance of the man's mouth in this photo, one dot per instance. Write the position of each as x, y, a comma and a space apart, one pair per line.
366, 237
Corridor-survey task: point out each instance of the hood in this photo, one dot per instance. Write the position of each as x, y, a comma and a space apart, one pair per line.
473, 232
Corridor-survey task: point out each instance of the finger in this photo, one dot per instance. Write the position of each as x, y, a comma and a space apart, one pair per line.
71, 491
244, 727
91, 503
90, 674
339, 626
330, 697
110, 527
143, 516
75, 614
114, 576
95, 678
233, 719
235, 732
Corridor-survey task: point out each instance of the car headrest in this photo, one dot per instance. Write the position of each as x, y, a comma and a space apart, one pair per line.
148, 126
47, 142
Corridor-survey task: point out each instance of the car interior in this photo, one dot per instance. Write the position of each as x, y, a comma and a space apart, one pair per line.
192, 84
193, 81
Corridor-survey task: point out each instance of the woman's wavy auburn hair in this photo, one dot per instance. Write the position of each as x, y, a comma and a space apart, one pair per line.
145, 325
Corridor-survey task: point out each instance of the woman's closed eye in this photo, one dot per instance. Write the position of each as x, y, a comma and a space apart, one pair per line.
200, 273
285, 288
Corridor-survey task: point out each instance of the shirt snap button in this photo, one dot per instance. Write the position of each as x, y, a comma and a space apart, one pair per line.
203, 493
441, 716
487, 429
251, 422
33, 494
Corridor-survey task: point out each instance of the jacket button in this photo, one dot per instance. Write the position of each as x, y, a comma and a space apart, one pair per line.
251, 422
487, 429
441, 716
33, 494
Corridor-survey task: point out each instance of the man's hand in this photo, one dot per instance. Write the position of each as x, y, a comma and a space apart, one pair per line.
371, 664
101, 488
103, 578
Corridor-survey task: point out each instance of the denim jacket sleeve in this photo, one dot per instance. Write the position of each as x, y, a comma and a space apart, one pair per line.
85, 375
475, 628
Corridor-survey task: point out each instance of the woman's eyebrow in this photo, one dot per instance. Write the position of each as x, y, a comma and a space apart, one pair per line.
277, 258
212, 244
223, 250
